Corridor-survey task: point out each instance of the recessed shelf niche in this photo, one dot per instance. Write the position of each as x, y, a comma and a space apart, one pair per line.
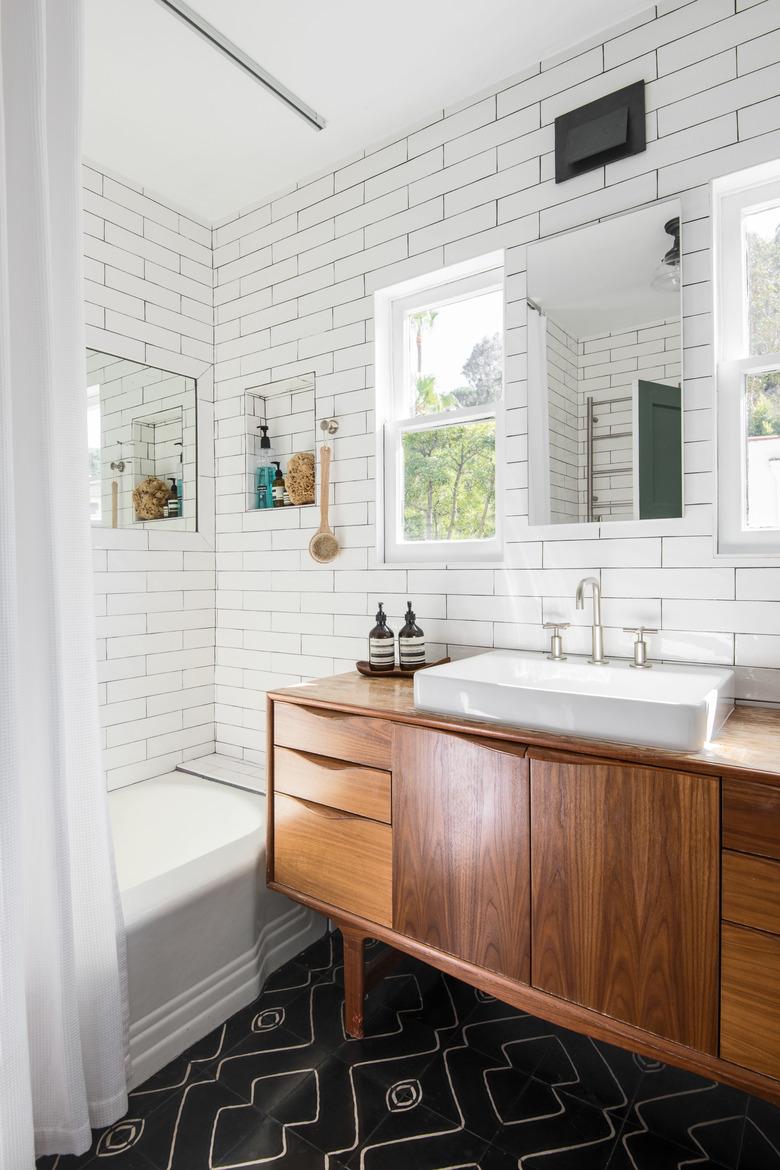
288, 407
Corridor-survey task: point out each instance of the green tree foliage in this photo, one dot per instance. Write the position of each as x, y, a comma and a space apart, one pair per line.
763, 273
449, 482
450, 471
483, 373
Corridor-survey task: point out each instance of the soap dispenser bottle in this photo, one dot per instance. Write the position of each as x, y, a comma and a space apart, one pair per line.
411, 642
381, 644
173, 499
277, 487
264, 472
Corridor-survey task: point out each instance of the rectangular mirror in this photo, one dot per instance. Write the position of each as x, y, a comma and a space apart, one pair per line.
142, 436
280, 444
605, 371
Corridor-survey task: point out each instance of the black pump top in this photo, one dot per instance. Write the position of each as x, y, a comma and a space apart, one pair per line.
381, 629
411, 629
265, 442
174, 490
278, 467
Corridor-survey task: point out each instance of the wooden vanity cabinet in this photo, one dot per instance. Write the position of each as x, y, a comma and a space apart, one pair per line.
624, 900
461, 848
597, 892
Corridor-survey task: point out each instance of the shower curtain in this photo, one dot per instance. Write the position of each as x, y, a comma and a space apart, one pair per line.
62, 991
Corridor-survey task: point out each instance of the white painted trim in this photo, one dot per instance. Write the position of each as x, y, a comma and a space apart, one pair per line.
391, 305
732, 197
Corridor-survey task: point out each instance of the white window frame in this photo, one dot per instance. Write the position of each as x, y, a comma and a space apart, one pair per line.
449, 285
733, 196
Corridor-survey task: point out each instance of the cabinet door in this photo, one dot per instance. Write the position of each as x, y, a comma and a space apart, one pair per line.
460, 848
624, 880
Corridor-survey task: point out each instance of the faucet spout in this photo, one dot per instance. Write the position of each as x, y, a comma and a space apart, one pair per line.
597, 655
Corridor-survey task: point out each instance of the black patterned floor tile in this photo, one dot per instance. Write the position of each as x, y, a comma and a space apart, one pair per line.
446, 1078
547, 1128
597, 1073
699, 1115
642, 1150
416, 1138
761, 1141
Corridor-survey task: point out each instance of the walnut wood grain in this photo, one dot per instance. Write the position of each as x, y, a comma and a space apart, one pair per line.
342, 859
354, 980
625, 894
331, 733
751, 818
751, 891
750, 1005
461, 848
351, 787
748, 744
559, 1011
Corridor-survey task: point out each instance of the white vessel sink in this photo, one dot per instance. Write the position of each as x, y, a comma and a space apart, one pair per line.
668, 706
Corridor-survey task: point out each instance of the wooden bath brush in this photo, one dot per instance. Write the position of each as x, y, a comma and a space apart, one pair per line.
323, 546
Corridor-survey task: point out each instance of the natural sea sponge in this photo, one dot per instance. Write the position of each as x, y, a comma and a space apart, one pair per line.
299, 478
150, 497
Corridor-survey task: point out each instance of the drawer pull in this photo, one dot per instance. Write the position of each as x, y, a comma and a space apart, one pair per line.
322, 810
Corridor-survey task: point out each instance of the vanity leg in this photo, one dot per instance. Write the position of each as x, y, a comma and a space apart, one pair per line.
354, 981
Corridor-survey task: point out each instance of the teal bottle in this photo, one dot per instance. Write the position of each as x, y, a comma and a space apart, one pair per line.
265, 472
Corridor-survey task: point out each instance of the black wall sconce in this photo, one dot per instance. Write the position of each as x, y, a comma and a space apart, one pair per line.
600, 132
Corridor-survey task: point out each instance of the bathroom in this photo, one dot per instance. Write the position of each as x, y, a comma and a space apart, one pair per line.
495, 347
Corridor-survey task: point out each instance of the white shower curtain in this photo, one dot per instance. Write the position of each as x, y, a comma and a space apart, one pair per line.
62, 992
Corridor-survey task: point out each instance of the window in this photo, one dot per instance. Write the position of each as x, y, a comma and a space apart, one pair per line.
440, 376
748, 291
94, 448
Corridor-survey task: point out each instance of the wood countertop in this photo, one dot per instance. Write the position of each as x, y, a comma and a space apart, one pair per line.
748, 745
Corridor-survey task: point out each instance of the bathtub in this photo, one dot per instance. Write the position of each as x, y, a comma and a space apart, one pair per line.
203, 932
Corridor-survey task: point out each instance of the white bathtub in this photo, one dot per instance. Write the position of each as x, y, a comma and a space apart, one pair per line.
203, 932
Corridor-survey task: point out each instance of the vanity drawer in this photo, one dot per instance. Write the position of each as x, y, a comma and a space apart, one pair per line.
356, 738
350, 787
750, 1006
335, 856
751, 817
751, 891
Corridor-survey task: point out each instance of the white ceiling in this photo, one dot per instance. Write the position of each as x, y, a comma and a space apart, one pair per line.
598, 279
168, 111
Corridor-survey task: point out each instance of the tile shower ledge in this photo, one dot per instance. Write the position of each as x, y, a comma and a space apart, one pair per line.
749, 744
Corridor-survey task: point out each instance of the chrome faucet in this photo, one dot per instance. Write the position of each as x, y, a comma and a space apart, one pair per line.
597, 655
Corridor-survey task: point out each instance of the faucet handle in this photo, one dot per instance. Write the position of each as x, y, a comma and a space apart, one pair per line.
640, 645
556, 641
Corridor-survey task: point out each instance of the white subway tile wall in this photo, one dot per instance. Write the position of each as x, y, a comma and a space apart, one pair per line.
473, 180
149, 297
292, 292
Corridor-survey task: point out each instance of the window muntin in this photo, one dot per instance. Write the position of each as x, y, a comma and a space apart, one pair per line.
748, 297
441, 433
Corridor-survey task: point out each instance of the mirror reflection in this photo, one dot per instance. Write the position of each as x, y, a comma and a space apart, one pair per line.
142, 437
605, 371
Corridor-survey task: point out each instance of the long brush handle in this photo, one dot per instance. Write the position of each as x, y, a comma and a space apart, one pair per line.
324, 485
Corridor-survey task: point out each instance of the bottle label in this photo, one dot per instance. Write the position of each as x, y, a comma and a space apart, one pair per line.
411, 651
381, 652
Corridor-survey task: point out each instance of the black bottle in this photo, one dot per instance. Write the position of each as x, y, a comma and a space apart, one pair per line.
381, 644
173, 500
411, 642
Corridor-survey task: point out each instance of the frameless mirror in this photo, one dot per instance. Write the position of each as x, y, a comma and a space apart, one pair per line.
605, 371
280, 444
142, 438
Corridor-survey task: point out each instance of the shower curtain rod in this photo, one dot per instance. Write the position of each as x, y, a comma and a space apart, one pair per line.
231, 50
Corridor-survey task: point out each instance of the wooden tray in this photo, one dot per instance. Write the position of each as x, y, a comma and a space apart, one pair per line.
396, 672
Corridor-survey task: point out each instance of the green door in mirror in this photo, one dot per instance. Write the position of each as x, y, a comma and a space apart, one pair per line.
659, 450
